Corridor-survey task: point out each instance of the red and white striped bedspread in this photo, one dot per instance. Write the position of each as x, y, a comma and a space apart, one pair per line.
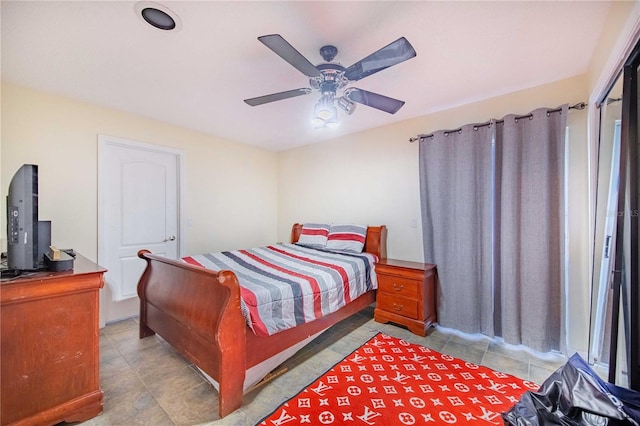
285, 285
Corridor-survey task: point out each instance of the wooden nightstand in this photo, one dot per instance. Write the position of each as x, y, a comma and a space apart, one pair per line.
406, 294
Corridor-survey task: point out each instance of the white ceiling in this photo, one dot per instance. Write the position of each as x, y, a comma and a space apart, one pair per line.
198, 77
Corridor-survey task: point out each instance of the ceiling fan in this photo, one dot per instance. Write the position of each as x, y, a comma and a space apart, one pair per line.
331, 79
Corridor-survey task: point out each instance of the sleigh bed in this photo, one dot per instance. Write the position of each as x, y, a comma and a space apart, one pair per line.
199, 312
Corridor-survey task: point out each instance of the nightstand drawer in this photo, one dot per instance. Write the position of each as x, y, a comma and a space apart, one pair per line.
398, 286
397, 305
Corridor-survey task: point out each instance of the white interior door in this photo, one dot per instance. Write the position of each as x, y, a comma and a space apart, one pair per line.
138, 192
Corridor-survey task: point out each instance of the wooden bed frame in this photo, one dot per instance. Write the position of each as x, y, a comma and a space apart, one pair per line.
198, 312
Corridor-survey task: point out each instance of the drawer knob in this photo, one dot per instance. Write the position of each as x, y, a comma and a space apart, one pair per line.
397, 307
398, 287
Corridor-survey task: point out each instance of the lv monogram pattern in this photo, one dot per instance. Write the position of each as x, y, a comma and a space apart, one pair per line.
389, 381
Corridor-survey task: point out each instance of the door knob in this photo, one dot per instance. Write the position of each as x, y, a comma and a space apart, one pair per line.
171, 238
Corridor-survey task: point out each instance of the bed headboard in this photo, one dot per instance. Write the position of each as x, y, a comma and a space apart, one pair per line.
375, 243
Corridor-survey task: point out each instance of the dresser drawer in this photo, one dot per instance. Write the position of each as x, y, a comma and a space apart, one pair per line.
399, 305
398, 285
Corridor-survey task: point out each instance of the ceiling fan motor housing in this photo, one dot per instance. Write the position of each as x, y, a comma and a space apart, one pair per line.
332, 78
328, 52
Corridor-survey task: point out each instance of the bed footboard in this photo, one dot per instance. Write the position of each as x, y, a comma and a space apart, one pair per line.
198, 312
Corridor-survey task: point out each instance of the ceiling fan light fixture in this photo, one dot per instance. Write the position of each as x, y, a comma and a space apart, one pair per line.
333, 122
325, 108
325, 113
346, 105
317, 122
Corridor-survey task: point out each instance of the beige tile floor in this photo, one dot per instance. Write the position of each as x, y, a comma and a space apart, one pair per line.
145, 382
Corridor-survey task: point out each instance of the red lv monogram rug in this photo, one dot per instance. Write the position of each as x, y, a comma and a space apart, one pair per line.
389, 381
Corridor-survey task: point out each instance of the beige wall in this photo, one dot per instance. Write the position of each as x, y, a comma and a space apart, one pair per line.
614, 45
369, 178
230, 189
372, 178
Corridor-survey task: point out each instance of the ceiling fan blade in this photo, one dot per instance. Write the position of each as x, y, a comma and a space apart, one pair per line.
287, 52
392, 54
277, 96
374, 100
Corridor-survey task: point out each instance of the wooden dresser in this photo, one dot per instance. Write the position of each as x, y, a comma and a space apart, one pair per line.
406, 294
49, 349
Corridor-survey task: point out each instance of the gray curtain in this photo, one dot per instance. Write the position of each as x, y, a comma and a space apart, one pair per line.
492, 200
455, 188
529, 217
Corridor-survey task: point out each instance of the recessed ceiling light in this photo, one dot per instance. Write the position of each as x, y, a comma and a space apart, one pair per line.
158, 16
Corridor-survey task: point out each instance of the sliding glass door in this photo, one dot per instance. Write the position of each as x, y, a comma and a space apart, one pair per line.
615, 330
631, 210
606, 207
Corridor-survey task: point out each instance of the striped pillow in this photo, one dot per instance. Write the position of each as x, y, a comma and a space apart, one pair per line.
347, 238
314, 234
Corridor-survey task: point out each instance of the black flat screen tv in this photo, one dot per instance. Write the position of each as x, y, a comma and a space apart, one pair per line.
22, 220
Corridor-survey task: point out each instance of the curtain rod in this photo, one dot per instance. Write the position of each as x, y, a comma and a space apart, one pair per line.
579, 106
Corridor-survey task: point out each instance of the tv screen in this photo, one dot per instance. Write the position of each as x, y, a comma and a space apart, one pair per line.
22, 220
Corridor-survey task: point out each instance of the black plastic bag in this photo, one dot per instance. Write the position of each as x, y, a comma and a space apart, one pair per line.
574, 395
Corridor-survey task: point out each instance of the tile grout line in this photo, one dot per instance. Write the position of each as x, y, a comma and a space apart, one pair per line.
122, 355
